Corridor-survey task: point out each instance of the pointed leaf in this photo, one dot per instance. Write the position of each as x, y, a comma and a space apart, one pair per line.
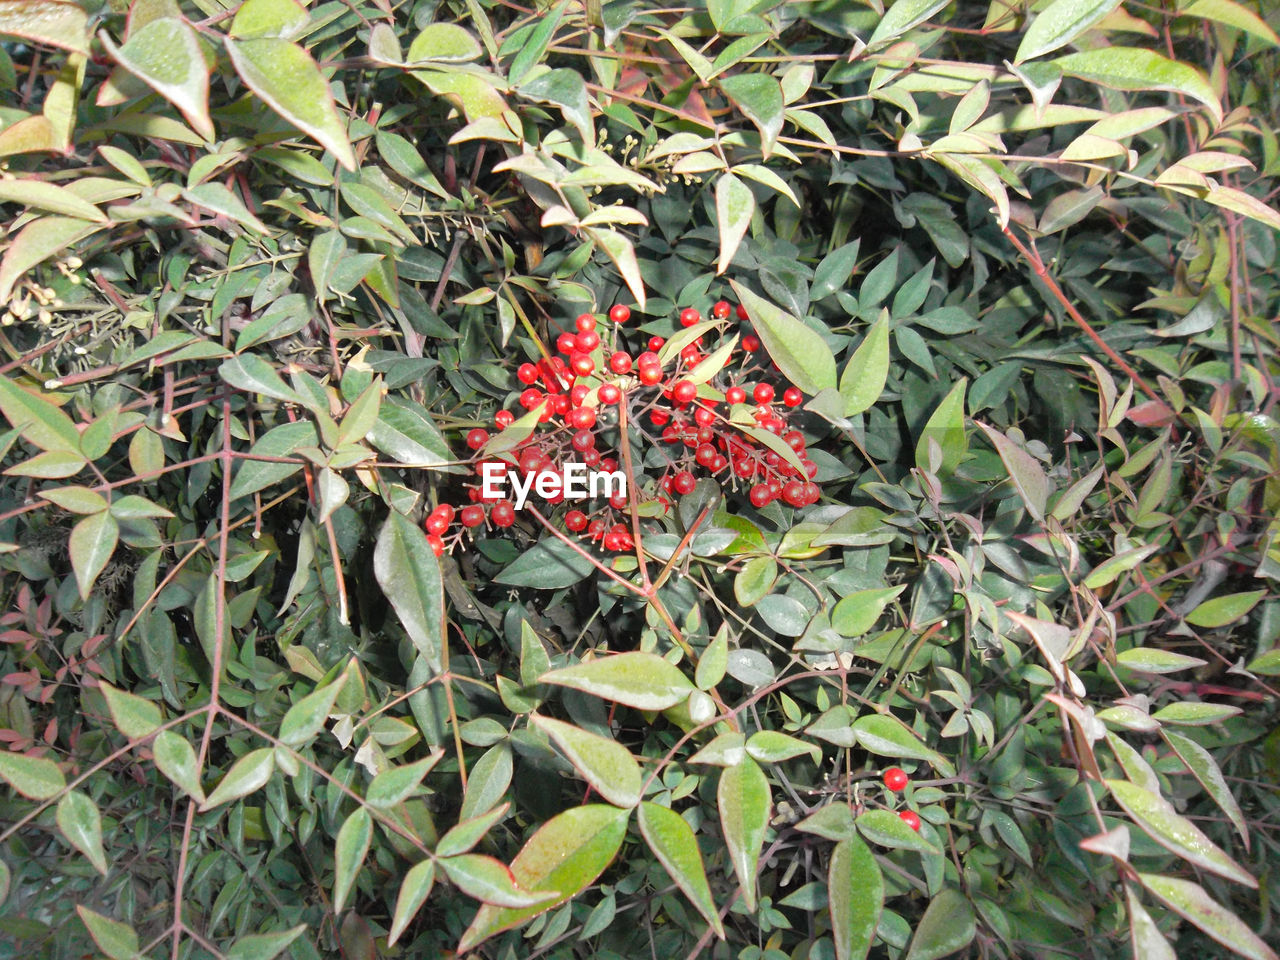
623, 254
348, 854
605, 764
48, 197
1059, 23
176, 759
1221, 611
946, 426
92, 542
1148, 942
735, 203
269, 18
800, 352
947, 926
253, 374
444, 41
263, 946
246, 775
80, 823
889, 830
414, 890
117, 940
1028, 476
38, 241
865, 374
408, 571
641, 680
305, 718
673, 842
1133, 68
1190, 902
855, 894
165, 54
759, 97
489, 881
132, 715
744, 803
58, 23
288, 80
395, 785
887, 736
565, 855
1205, 769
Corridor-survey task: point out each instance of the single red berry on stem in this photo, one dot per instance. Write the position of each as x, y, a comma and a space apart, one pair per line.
582, 364
750, 343
742, 312
792, 397
620, 362
609, 393
896, 779
503, 419
684, 392
477, 438
588, 341
655, 344
910, 818
619, 313
576, 520
585, 323
761, 495
689, 316
527, 373
684, 482
503, 513
763, 393
735, 395
565, 343
721, 310
650, 373
436, 544
472, 516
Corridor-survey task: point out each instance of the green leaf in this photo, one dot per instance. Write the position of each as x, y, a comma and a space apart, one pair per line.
800, 353
623, 254
735, 203
1233, 15
489, 881
945, 426
1175, 833
40, 422
835, 270
887, 736
565, 89
1220, 611
712, 663
253, 374
565, 855
1237, 201
1190, 902
408, 571
858, 612
218, 199
548, 565
348, 854
1107, 571
641, 680
1205, 769
1059, 23
305, 718
865, 374
48, 197
117, 940
176, 759
1132, 68
269, 18
92, 542
165, 54
1193, 714
1028, 477
58, 23
263, 946
855, 894
901, 17
446, 42
414, 890
80, 823
744, 803
395, 785
290, 83
754, 581
282, 441
535, 47
489, 780
759, 97
672, 841
1151, 660
246, 775
772, 746
1147, 940
132, 715
888, 829
605, 764
36, 242
467, 833
404, 431
947, 926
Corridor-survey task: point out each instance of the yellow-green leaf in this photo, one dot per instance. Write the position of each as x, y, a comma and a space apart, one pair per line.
1190, 901
80, 823
735, 203
246, 775
1133, 68
855, 894
605, 764
176, 759
744, 804
641, 680
58, 23
36, 778
348, 854
673, 842
414, 889
92, 542
165, 54
799, 351
133, 716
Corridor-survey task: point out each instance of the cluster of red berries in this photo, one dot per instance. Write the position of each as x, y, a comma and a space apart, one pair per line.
696, 423
896, 780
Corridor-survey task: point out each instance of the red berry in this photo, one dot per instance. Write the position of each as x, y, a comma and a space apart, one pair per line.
578, 394
792, 397
620, 362
531, 398
659, 418
896, 779
684, 392
591, 457
583, 418
444, 512
683, 482
761, 495
750, 343
763, 393
527, 373
472, 516
793, 493
503, 513
735, 395
588, 341
503, 419
585, 323
609, 393
811, 493
650, 374
910, 818
648, 359
565, 343
477, 438
689, 316
721, 310
583, 440
559, 404
576, 520
436, 544
742, 312
618, 501
619, 313
582, 364
794, 439
703, 417
655, 343
596, 529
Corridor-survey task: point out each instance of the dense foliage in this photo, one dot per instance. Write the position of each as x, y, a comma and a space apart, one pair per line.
984, 293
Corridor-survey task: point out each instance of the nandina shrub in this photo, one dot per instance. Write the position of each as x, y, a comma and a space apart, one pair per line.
933, 344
